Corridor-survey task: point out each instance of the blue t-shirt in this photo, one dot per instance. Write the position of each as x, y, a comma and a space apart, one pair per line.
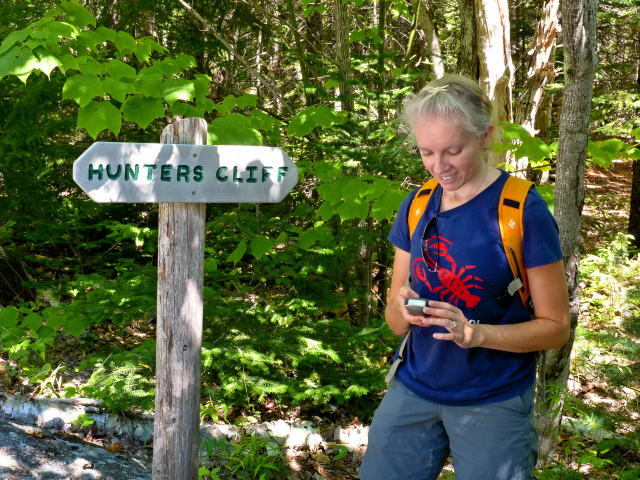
472, 273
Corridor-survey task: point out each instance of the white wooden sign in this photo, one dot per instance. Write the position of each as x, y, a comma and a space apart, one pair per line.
157, 173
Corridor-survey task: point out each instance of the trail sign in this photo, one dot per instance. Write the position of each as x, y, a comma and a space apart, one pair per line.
156, 173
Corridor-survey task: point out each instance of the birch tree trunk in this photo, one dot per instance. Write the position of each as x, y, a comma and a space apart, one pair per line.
433, 42
579, 39
541, 71
495, 64
343, 51
468, 59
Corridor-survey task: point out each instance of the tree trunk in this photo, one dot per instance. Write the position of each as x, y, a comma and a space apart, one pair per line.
495, 65
541, 71
179, 335
343, 52
433, 42
381, 16
468, 58
634, 208
579, 39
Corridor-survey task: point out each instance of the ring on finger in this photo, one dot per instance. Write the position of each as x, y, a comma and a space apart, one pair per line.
453, 324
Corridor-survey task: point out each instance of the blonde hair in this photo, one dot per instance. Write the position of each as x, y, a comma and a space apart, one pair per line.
453, 97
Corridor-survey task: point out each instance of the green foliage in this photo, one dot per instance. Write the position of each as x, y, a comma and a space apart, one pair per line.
251, 457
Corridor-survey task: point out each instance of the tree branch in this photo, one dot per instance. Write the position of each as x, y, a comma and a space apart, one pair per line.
228, 46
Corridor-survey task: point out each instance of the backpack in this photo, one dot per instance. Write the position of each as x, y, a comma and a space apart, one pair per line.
510, 211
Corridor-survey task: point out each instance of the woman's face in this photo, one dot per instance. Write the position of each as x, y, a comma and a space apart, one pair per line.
450, 154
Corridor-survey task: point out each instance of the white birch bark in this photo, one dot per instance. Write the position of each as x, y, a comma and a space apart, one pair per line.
433, 42
495, 64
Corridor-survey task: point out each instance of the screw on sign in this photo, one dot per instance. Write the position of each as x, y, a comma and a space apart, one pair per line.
181, 174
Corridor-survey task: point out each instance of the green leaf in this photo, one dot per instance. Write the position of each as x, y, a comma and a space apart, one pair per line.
233, 129
177, 89
186, 61
82, 88
169, 66
238, 253
246, 100
513, 131
600, 157
32, 321
63, 30
149, 81
106, 34
210, 265
547, 193
201, 84
356, 36
9, 317
78, 15
307, 239
53, 318
612, 146
90, 66
332, 83
353, 208
534, 149
386, 206
117, 69
118, 89
143, 51
13, 38
69, 62
17, 61
125, 43
326, 116
76, 325
302, 124
178, 108
89, 39
633, 153
260, 245
227, 104
142, 110
636, 133
327, 171
99, 116
47, 61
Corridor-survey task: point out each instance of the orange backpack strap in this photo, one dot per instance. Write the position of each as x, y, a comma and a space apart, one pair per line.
419, 204
510, 212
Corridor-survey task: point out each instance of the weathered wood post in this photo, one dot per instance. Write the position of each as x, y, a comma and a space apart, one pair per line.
181, 178
176, 437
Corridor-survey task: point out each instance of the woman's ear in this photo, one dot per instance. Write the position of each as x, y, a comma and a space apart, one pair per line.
486, 136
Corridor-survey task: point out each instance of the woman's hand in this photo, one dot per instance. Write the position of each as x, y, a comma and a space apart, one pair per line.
463, 333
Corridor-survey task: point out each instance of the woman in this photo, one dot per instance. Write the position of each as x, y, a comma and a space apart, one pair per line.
467, 384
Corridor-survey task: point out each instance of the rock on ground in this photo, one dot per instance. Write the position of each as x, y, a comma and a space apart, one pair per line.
30, 453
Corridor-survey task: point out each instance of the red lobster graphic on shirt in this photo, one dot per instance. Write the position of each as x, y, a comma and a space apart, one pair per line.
452, 282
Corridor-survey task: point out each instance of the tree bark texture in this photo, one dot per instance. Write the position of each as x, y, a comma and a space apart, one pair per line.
579, 39
179, 334
495, 64
541, 71
431, 35
343, 51
468, 59
634, 208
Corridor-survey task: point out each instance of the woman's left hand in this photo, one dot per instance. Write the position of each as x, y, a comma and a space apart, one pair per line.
461, 332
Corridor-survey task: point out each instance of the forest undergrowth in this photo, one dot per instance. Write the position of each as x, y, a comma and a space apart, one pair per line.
270, 362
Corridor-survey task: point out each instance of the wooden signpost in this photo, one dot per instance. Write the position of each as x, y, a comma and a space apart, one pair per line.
182, 174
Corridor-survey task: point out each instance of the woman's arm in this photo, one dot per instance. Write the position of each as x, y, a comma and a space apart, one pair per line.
397, 316
549, 329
